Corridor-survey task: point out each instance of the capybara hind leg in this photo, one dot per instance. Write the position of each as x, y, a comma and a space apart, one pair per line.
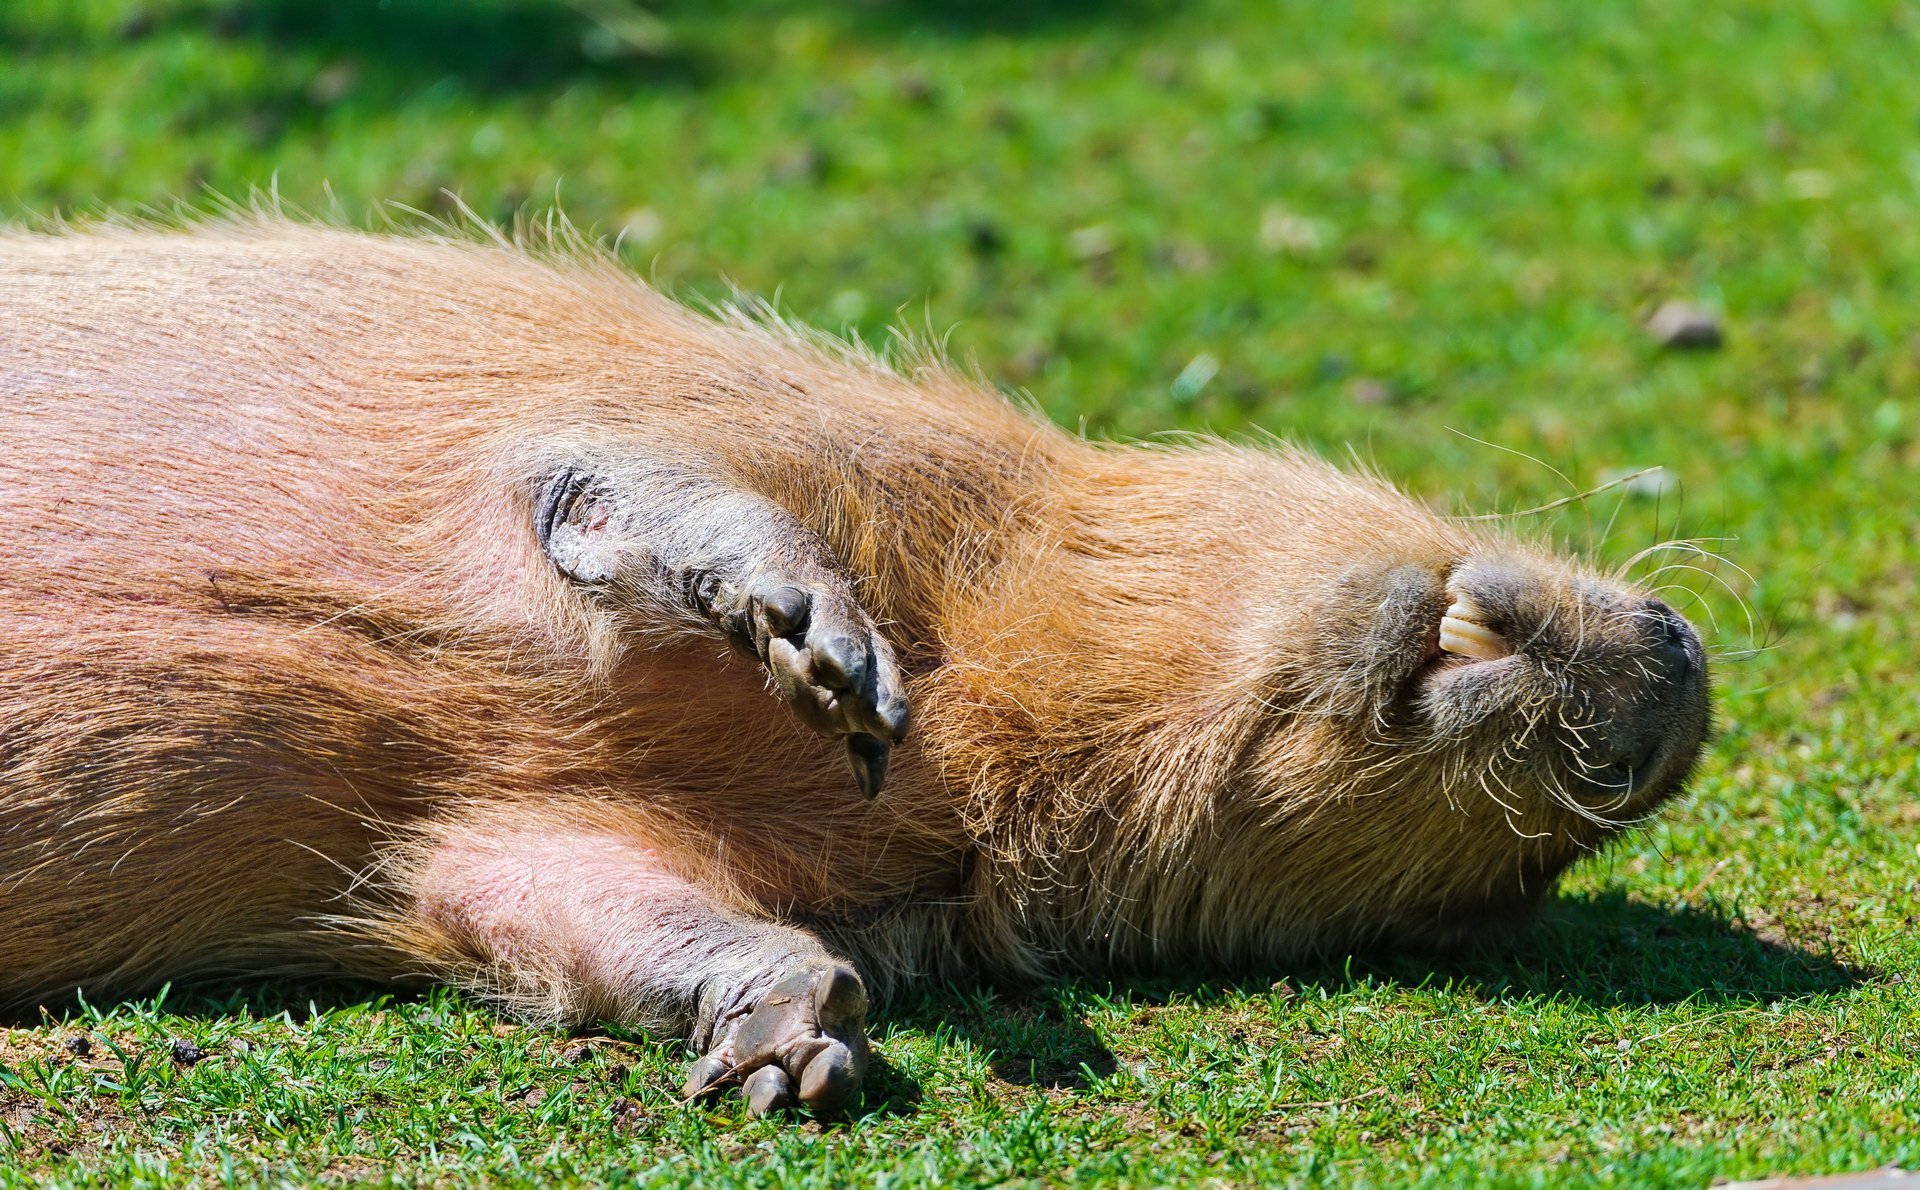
580, 924
733, 563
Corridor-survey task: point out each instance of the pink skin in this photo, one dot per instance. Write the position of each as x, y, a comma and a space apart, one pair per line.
591, 925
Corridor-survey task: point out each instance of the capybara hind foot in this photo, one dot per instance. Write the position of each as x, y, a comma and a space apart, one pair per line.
799, 1042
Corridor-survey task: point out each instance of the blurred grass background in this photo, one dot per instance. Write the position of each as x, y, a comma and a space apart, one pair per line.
1430, 234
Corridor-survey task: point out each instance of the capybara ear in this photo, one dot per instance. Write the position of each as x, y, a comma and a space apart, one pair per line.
575, 518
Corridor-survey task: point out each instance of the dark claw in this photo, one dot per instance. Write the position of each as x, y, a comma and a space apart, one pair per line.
739, 629
831, 1081
839, 663
768, 1090
704, 1076
840, 999
893, 716
785, 610
868, 756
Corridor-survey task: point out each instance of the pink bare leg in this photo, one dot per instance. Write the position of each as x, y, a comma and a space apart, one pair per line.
578, 924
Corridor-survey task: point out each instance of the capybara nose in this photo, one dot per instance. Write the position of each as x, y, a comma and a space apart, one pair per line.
1675, 643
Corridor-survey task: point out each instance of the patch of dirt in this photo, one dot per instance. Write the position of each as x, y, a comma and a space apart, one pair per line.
39, 1132
1809, 920
353, 1171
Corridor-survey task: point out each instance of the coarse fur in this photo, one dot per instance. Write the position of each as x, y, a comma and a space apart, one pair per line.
280, 648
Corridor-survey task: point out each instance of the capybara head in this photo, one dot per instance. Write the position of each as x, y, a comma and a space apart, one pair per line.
1362, 723
1473, 709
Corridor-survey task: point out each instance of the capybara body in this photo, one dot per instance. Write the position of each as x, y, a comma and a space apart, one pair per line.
422, 608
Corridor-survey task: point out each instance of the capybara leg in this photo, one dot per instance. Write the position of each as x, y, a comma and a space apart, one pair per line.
736, 564
585, 924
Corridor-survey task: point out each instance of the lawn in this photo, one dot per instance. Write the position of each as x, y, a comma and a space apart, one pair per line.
1428, 235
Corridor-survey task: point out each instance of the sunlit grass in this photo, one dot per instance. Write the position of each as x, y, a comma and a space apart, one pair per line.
1428, 234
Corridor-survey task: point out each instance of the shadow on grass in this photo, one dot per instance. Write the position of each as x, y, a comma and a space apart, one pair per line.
972, 18
1605, 950
379, 50
300, 1001
1610, 949
385, 49
490, 45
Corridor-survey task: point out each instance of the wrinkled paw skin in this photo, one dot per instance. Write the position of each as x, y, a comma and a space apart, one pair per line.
829, 662
800, 1044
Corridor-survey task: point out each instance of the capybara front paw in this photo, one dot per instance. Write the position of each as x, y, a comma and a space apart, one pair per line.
801, 1043
831, 664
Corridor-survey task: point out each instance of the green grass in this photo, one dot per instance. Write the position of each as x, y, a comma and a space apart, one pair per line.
1355, 225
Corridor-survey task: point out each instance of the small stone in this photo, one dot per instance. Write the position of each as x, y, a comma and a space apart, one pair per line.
799, 163
1685, 326
1290, 233
140, 23
534, 1097
333, 84
618, 1072
577, 1053
631, 1116
641, 226
80, 1046
1092, 243
186, 1053
917, 89
1187, 256
1369, 392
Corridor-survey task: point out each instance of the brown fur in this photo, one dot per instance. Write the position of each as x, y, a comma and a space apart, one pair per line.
276, 627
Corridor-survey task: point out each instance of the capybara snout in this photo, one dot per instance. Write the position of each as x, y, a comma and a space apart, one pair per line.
1561, 685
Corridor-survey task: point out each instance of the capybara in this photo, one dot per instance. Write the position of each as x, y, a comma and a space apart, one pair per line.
421, 608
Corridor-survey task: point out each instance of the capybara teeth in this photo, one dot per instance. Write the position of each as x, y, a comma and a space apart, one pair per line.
1463, 634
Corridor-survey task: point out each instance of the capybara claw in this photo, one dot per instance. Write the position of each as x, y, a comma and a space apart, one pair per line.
705, 1078
802, 1043
768, 1090
831, 1082
868, 756
830, 663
